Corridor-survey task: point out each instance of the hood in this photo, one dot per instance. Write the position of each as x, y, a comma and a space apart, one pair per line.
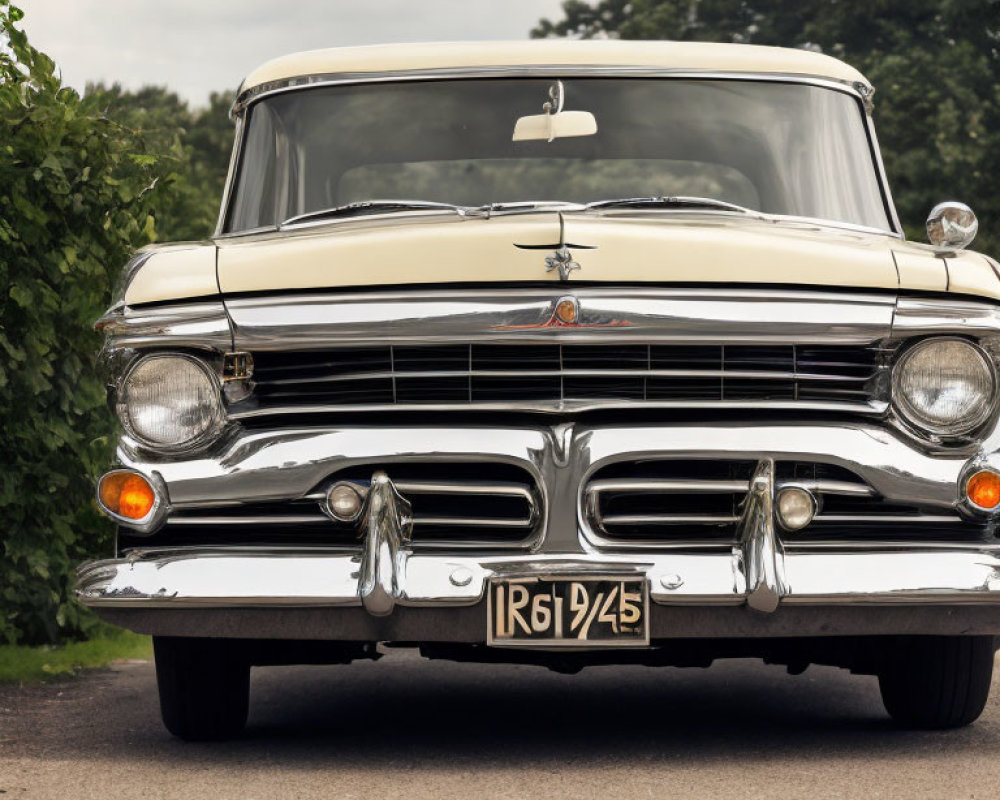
611, 248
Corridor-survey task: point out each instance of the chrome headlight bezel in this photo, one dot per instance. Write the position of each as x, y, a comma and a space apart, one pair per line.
215, 424
914, 417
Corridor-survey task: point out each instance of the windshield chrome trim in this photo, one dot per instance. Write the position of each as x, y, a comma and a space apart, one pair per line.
247, 97
861, 92
883, 178
234, 157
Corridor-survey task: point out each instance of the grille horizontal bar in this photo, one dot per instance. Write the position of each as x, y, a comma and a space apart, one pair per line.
698, 503
531, 373
455, 505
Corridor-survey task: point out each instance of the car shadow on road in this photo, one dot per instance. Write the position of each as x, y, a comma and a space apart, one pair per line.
404, 713
480, 716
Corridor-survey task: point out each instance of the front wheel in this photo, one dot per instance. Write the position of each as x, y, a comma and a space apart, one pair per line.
937, 681
204, 687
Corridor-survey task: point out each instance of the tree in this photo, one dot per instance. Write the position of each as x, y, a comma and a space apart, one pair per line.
935, 62
75, 192
192, 149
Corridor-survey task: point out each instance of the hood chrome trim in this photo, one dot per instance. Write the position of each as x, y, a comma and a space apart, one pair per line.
303, 321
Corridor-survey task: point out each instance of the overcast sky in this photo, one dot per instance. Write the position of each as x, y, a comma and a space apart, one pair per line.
197, 46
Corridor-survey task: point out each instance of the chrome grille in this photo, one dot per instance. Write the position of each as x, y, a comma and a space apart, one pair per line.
561, 375
455, 505
697, 503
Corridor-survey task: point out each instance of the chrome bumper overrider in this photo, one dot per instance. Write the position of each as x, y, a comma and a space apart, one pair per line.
386, 570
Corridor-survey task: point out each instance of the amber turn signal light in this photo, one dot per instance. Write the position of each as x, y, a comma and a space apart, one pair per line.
126, 494
983, 490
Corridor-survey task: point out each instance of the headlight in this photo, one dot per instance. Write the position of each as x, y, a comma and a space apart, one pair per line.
945, 386
170, 401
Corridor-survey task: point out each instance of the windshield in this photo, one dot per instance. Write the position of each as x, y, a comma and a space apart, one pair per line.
778, 148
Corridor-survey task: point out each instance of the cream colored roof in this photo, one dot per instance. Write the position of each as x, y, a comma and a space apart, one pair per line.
695, 56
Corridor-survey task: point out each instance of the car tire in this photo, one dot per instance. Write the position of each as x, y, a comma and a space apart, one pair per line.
937, 681
204, 687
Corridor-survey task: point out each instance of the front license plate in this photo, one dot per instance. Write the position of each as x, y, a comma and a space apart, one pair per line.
568, 612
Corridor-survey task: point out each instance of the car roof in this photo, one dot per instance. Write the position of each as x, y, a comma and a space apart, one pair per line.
571, 53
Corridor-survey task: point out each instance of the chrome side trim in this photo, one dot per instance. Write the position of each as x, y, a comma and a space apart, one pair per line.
201, 324
920, 316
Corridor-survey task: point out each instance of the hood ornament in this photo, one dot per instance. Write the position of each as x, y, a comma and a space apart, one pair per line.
561, 258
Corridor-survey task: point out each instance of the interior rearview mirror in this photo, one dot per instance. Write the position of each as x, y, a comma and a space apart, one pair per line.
555, 126
555, 123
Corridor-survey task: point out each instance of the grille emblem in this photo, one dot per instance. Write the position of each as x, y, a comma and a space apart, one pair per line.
566, 312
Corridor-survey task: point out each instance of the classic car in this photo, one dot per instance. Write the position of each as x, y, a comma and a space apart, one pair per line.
557, 353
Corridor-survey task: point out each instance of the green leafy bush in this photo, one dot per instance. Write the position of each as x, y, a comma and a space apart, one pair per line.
75, 193
192, 149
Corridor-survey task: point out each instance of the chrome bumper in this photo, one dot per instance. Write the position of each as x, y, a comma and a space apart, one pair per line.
261, 580
386, 574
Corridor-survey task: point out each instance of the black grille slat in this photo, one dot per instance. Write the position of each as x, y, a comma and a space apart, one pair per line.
273, 367
685, 357
431, 390
487, 357
371, 390
605, 357
759, 357
445, 358
470, 374
503, 390
578, 387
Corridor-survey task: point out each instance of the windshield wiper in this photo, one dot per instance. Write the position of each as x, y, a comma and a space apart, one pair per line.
370, 207
516, 206
669, 202
362, 207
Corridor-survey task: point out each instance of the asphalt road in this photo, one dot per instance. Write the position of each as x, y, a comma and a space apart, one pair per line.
408, 728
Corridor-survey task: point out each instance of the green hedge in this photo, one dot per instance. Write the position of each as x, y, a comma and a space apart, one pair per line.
75, 189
